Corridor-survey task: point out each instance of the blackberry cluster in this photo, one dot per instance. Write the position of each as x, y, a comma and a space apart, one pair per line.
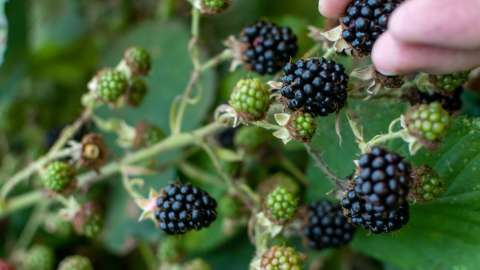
280, 258
268, 46
327, 226
451, 102
182, 207
365, 21
428, 121
316, 85
378, 198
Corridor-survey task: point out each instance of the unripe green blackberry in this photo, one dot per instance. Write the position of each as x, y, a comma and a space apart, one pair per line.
75, 262
250, 138
88, 221
250, 99
39, 257
428, 121
281, 258
427, 184
198, 264
281, 205
302, 126
136, 92
147, 135
58, 176
138, 60
111, 85
450, 82
214, 6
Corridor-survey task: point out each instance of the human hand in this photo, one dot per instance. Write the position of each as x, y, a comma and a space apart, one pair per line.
435, 36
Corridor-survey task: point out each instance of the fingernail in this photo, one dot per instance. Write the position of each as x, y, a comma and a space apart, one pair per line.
385, 72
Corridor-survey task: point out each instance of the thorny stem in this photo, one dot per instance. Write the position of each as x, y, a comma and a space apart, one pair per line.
240, 189
322, 165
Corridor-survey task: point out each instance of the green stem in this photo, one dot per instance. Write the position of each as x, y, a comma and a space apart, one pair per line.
30, 229
381, 139
194, 172
290, 167
216, 60
322, 165
30, 170
330, 53
127, 184
20, 202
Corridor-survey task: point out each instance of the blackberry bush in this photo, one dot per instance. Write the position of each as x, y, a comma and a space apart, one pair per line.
182, 208
364, 21
427, 185
268, 47
450, 82
326, 226
315, 85
302, 126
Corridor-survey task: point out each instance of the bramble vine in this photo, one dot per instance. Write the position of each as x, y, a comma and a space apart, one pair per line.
291, 106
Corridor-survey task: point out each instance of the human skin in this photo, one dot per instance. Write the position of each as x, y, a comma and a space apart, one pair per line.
435, 36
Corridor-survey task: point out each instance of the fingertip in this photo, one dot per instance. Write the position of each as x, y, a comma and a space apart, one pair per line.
332, 8
386, 55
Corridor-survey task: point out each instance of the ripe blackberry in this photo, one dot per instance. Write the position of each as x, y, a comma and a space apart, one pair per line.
365, 21
182, 207
281, 257
75, 262
327, 226
451, 102
268, 46
382, 179
427, 121
360, 213
316, 85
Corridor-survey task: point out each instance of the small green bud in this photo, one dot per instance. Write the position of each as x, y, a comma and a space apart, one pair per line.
250, 98
58, 176
39, 257
138, 60
75, 262
281, 205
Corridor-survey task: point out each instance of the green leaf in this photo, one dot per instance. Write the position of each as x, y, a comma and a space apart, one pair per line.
444, 234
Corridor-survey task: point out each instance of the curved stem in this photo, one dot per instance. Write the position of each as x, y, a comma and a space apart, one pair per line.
30, 229
322, 165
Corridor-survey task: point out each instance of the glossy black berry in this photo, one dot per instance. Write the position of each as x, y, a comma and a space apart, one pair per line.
327, 226
364, 21
450, 102
316, 85
268, 46
382, 179
377, 199
183, 207
360, 214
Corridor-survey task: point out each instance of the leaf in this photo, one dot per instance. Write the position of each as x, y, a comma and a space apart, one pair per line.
444, 234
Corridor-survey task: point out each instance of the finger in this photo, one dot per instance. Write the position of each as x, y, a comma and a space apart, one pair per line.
392, 57
332, 8
445, 23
